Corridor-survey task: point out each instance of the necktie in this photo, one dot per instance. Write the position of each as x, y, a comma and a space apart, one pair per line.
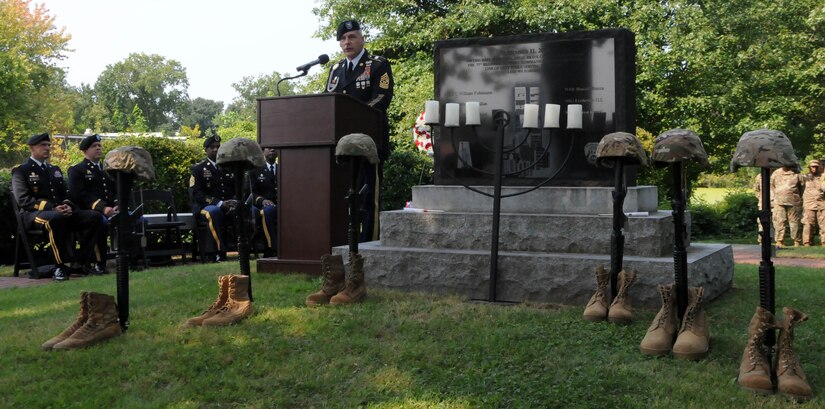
350, 68
272, 169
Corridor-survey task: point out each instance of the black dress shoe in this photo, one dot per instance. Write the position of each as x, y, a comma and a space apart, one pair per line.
95, 270
218, 259
60, 274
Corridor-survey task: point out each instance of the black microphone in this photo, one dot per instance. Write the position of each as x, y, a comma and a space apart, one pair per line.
322, 59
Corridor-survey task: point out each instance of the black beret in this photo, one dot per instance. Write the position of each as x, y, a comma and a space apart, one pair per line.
210, 140
35, 139
347, 26
87, 142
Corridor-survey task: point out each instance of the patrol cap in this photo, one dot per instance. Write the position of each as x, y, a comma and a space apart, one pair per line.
35, 139
620, 145
815, 163
357, 144
347, 26
679, 145
87, 142
764, 148
210, 140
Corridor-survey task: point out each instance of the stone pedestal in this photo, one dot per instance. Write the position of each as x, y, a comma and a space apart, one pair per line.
544, 255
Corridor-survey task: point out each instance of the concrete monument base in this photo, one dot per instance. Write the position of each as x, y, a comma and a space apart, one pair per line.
544, 257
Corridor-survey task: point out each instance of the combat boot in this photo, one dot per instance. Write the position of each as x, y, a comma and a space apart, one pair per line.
659, 338
332, 269
755, 369
101, 325
223, 295
596, 309
82, 316
693, 340
790, 378
620, 310
355, 289
237, 307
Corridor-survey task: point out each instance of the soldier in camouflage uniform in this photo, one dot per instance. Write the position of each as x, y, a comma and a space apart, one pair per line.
787, 186
813, 204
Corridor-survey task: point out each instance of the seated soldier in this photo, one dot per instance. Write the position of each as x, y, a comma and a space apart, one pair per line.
91, 188
213, 195
264, 186
40, 191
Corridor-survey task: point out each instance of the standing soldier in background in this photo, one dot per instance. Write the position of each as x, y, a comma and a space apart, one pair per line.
813, 204
757, 191
787, 186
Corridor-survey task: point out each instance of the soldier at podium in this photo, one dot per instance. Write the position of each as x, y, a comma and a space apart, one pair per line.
369, 79
213, 196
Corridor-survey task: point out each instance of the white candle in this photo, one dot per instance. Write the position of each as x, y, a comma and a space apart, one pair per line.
472, 115
431, 112
451, 115
551, 115
574, 116
531, 116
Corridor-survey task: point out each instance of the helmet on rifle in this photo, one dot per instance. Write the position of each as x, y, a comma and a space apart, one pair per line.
620, 146
679, 145
764, 148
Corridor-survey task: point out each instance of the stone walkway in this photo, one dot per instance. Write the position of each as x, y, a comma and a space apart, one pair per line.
742, 253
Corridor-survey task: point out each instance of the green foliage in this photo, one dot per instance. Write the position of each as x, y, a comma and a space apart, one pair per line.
200, 114
733, 217
403, 170
250, 88
33, 97
8, 224
396, 350
156, 85
137, 122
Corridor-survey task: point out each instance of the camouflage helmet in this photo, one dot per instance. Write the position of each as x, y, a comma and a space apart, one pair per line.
130, 159
620, 145
679, 145
241, 151
764, 148
357, 144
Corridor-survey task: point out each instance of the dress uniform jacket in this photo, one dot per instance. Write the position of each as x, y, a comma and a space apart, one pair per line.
90, 187
210, 185
370, 82
264, 185
38, 188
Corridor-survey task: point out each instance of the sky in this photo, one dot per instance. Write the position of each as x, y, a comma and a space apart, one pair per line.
218, 41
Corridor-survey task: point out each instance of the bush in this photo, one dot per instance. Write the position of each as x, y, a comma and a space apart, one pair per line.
733, 217
8, 224
403, 170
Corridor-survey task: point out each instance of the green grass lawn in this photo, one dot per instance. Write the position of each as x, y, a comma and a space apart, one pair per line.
710, 195
395, 350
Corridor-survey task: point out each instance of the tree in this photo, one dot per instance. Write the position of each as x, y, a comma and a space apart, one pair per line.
156, 85
33, 97
137, 122
250, 88
200, 113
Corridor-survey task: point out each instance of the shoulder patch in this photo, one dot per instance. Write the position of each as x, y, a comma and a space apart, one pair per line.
191, 181
385, 81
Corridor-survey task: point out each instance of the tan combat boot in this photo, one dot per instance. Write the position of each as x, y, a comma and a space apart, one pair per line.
223, 295
596, 309
659, 338
620, 310
755, 370
790, 379
355, 289
332, 268
693, 340
101, 325
82, 316
237, 307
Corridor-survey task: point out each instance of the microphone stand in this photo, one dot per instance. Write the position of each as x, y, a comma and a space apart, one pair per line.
278, 85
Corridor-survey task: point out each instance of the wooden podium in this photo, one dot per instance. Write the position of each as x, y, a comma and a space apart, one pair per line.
312, 188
